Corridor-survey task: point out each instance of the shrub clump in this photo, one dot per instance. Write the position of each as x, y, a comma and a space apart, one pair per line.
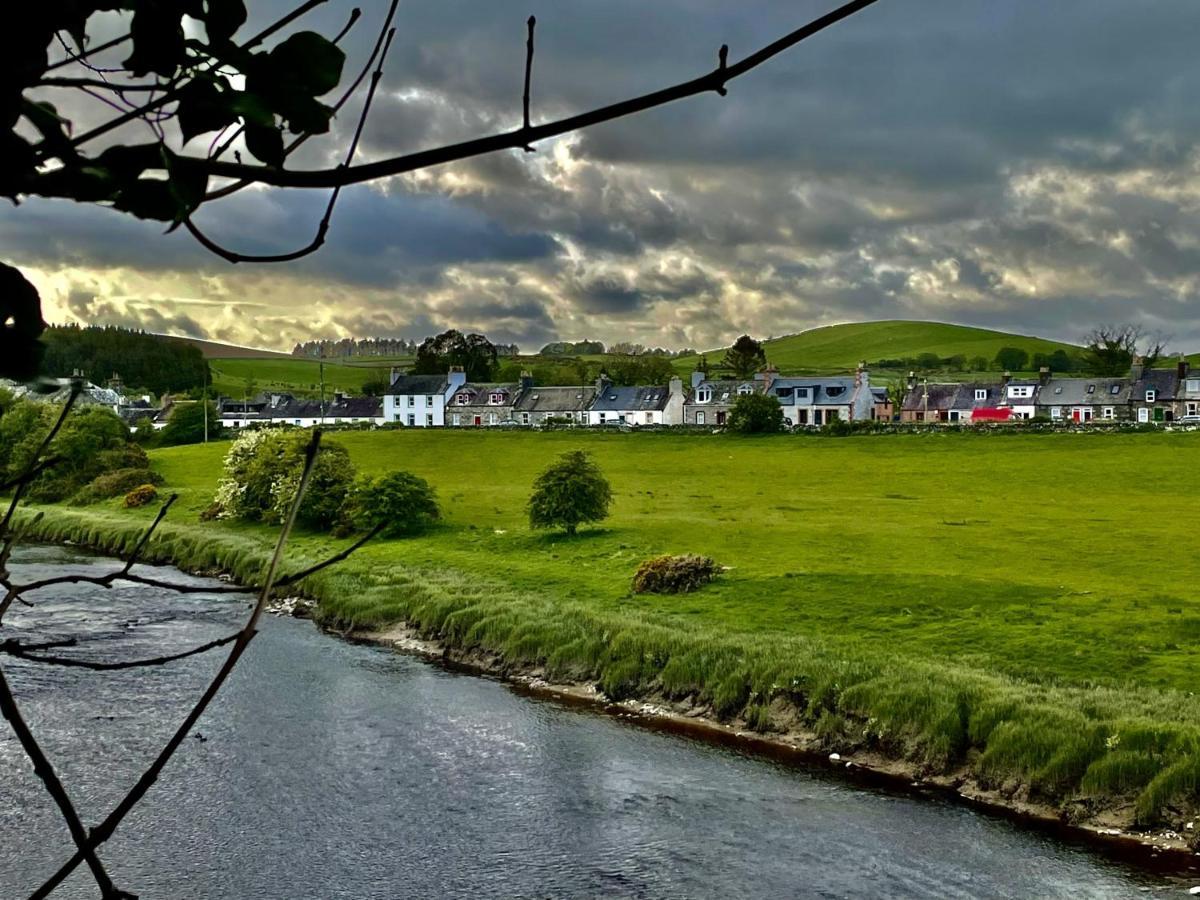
400, 502
756, 414
262, 473
140, 496
674, 574
114, 484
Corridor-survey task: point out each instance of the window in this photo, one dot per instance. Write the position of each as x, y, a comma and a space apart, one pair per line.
1056, 412
1143, 415
703, 395
1020, 391
1108, 413
412, 420
649, 418
700, 417
1091, 389
412, 401
462, 399
802, 393
980, 394
524, 418
955, 415
1193, 384
1151, 395
496, 398
1193, 409
787, 392
835, 390
455, 419
492, 420
745, 389
428, 420
1115, 389
429, 400
1058, 390
600, 418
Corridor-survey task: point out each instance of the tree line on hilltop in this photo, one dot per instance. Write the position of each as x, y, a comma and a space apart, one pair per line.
141, 362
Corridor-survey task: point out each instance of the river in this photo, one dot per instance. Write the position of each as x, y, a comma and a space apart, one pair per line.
330, 770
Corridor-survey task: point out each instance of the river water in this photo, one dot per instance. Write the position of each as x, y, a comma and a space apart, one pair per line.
326, 769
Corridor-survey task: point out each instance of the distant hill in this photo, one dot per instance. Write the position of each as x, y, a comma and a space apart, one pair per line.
216, 350
841, 347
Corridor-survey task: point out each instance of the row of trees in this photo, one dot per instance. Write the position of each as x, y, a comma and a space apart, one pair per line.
345, 347
142, 361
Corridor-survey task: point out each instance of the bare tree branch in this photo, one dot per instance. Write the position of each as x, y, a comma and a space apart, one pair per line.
80, 57
531, 23
27, 652
105, 830
54, 787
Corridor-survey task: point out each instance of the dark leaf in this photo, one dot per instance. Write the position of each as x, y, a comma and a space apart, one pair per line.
305, 115
158, 42
266, 143
308, 63
51, 126
224, 17
20, 326
253, 109
127, 162
188, 183
84, 184
16, 163
149, 199
204, 106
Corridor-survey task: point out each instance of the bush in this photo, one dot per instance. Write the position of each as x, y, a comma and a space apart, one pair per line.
756, 414
570, 492
674, 574
114, 484
401, 502
262, 473
140, 496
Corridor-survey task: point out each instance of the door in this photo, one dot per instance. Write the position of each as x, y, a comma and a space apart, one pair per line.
720, 418
700, 417
1077, 415
1143, 415
479, 420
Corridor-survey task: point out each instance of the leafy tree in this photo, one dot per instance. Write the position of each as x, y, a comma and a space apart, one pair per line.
328, 485
160, 365
1012, 359
400, 502
376, 387
249, 387
702, 365
640, 370
186, 424
980, 364
1110, 349
570, 492
928, 361
474, 352
745, 357
756, 414
956, 363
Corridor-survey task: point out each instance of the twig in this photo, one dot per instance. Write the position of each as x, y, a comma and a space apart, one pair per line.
322, 226
79, 57
12, 648
304, 573
531, 22
145, 539
54, 787
105, 829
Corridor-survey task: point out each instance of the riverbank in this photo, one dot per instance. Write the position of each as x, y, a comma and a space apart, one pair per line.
995, 740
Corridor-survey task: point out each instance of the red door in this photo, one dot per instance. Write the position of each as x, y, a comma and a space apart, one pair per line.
479, 420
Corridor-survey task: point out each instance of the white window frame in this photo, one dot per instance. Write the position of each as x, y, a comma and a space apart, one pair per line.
1056, 412
1193, 408
428, 420
700, 417
744, 389
1108, 413
980, 394
524, 418
1151, 395
492, 419
429, 399
1143, 415
704, 395
412, 401
455, 419
412, 420
649, 418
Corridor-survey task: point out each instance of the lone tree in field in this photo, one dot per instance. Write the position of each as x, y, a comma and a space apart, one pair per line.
756, 414
745, 357
570, 492
1012, 359
1111, 349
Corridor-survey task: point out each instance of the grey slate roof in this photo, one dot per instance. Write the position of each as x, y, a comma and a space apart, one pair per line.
941, 396
480, 394
1085, 392
723, 391
637, 398
1164, 382
964, 397
556, 399
419, 384
821, 391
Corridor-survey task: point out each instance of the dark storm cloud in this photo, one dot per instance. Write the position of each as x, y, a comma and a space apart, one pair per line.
1027, 164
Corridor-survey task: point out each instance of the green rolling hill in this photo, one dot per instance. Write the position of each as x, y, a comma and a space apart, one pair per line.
841, 347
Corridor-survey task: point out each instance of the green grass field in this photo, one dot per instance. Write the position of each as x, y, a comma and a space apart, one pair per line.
297, 376
1021, 605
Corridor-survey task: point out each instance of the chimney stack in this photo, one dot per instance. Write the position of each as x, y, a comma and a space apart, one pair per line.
1006, 379
526, 380
1182, 368
697, 379
1044, 374
1137, 369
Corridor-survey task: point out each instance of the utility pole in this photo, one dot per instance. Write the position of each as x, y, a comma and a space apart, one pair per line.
204, 400
321, 366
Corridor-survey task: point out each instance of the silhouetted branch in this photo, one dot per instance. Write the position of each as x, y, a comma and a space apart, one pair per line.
336, 558
54, 787
80, 57
145, 539
713, 81
27, 652
105, 829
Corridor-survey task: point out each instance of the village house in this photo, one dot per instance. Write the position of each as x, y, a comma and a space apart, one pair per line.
475, 405
1020, 395
977, 402
419, 401
816, 401
929, 403
1189, 395
709, 401
1083, 400
1155, 393
542, 405
285, 409
637, 405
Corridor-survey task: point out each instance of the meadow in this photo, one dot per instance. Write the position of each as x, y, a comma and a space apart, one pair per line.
298, 376
1021, 605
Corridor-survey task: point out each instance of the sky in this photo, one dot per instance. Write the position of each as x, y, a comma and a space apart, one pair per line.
1023, 165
